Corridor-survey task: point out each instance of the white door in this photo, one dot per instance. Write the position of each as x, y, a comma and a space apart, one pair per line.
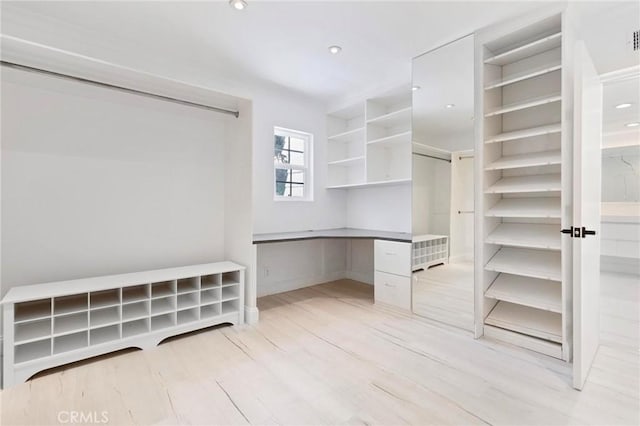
586, 213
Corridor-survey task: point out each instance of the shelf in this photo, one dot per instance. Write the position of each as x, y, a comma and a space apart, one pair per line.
527, 50
529, 103
210, 296
531, 73
526, 235
135, 293
529, 183
70, 323
532, 159
135, 310
189, 315
393, 119
371, 184
347, 162
30, 351
163, 289
525, 133
230, 293
210, 281
348, 136
34, 330
398, 138
542, 264
186, 285
162, 321
133, 328
229, 306
101, 299
29, 311
210, 311
523, 319
104, 335
532, 292
161, 306
544, 207
104, 316
187, 300
70, 342
69, 304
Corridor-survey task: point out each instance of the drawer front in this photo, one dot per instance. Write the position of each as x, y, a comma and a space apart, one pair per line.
393, 257
393, 290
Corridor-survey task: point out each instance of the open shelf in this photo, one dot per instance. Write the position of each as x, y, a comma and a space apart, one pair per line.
523, 319
186, 285
68, 304
163, 321
70, 342
542, 207
347, 136
527, 291
528, 103
525, 133
526, 50
525, 75
210, 281
104, 334
28, 311
347, 161
230, 278
136, 310
392, 119
210, 296
528, 235
188, 315
135, 293
372, 184
230, 306
210, 311
531, 159
542, 264
230, 293
30, 351
163, 289
101, 299
187, 300
398, 138
162, 305
33, 330
70, 323
529, 183
104, 316
134, 328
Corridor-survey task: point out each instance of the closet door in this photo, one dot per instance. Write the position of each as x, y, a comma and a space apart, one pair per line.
586, 213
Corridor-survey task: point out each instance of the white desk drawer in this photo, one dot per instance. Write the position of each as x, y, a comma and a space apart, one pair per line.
392, 289
393, 257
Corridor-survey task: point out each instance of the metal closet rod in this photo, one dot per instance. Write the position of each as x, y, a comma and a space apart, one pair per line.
431, 156
120, 88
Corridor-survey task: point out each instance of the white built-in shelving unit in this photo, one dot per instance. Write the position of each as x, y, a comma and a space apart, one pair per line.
46, 325
521, 138
428, 250
369, 143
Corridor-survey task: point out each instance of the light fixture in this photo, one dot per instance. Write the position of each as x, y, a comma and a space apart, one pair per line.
414, 88
335, 49
622, 106
449, 106
635, 124
238, 4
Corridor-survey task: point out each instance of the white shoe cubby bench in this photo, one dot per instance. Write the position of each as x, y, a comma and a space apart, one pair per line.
48, 325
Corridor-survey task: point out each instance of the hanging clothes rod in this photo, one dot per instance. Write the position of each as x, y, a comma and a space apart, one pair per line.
120, 88
465, 211
431, 156
462, 157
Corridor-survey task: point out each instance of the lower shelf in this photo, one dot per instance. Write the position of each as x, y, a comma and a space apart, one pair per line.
521, 340
530, 321
532, 292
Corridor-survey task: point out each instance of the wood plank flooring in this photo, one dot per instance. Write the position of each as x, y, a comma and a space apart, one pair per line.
327, 355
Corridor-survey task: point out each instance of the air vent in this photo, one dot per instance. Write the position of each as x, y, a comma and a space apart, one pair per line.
636, 40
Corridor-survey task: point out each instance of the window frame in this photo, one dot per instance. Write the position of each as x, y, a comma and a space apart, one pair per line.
307, 168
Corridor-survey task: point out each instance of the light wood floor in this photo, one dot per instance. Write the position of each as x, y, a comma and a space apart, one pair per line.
327, 355
444, 293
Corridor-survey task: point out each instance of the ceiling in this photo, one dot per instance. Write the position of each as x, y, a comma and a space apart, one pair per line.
614, 129
282, 43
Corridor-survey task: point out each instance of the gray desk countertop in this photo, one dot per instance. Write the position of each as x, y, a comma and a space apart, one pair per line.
278, 237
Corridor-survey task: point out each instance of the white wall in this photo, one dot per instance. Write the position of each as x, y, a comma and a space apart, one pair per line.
431, 196
99, 182
386, 208
461, 237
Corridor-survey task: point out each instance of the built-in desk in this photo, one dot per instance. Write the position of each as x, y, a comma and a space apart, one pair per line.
392, 258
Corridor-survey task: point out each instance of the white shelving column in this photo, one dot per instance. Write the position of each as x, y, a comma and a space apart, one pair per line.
346, 146
519, 279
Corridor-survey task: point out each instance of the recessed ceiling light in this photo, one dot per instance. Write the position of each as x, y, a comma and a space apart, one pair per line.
335, 49
621, 106
414, 88
449, 106
238, 4
636, 124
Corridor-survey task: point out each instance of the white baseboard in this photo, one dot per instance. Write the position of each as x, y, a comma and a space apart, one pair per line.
363, 277
251, 315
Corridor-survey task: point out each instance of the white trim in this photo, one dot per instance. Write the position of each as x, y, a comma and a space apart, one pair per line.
307, 168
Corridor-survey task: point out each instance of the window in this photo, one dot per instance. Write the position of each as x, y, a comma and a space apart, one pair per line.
292, 161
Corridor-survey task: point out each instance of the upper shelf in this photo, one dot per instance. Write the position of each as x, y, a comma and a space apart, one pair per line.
347, 136
347, 162
371, 184
533, 159
543, 207
393, 119
542, 264
527, 50
528, 183
525, 133
526, 235
528, 103
398, 138
525, 75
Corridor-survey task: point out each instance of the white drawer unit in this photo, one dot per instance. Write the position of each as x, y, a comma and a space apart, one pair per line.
392, 279
52, 324
428, 250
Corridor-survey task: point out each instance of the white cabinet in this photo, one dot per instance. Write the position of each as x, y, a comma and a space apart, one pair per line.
392, 279
369, 142
47, 325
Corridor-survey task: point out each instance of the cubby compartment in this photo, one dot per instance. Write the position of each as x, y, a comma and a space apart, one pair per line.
32, 330
187, 300
101, 299
134, 328
29, 351
210, 281
209, 311
27, 311
104, 316
70, 323
186, 285
163, 289
136, 310
230, 306
188, 315
210, 296
230, 278
69, 304
163, 305
159, 322
230, 292
70, 342
104, 334
135, 293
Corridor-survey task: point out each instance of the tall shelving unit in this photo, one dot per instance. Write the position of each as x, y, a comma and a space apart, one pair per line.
521, 135
369, 142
